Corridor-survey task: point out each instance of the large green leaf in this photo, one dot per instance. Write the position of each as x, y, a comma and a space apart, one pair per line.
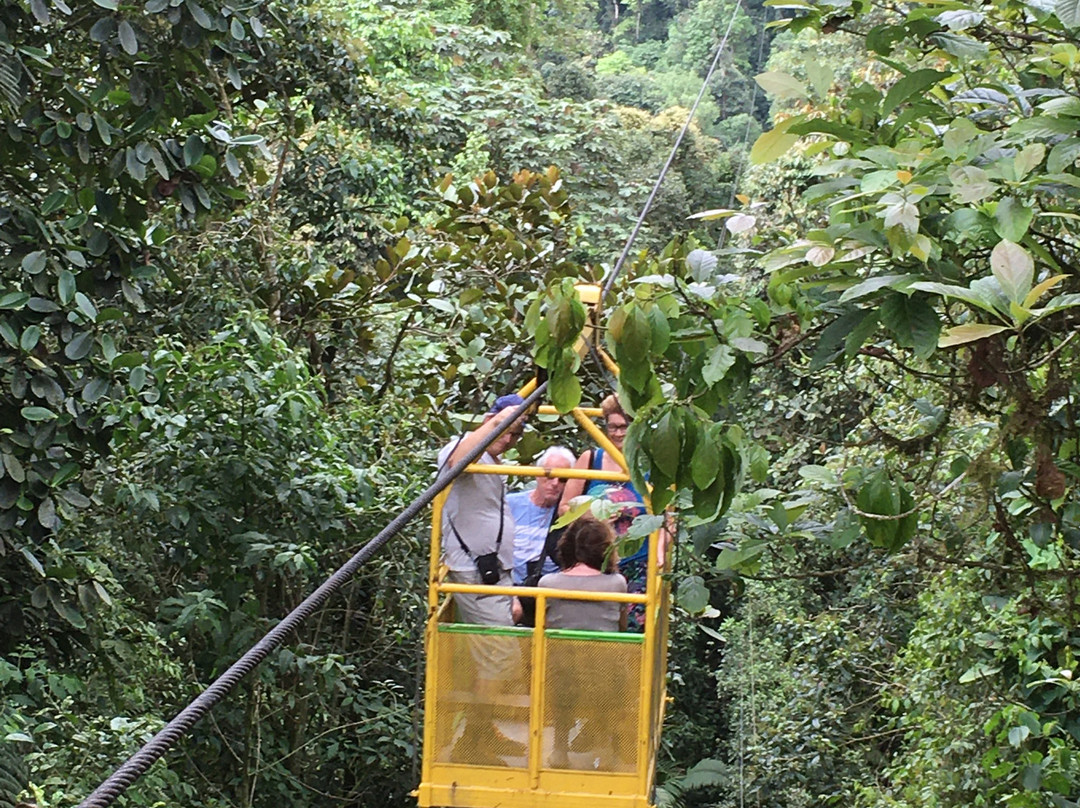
781, 85
1068, 11
773, 144
913, 84
1014, 269
912, 321
970, 332
871, 285
975, 297
705, 463
1012, 219
719, 362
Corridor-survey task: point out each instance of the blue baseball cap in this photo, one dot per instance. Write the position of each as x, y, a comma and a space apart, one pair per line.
503, 402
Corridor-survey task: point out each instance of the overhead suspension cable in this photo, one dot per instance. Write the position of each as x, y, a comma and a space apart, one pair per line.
137, 765
614, 274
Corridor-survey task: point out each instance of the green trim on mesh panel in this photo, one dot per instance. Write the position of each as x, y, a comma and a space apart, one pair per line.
595, 636
490, 631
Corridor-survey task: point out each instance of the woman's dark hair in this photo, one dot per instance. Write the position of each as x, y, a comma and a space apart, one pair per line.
590, 542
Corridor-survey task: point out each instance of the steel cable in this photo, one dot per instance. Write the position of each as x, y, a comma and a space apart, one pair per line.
137, 765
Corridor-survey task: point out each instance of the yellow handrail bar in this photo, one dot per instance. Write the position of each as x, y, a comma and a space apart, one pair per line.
537, 591
547, 409
540, 471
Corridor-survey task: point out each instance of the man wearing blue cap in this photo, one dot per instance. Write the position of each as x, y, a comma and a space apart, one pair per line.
478, 547
477, 525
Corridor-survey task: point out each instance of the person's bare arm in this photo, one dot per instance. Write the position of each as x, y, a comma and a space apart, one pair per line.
574, 487
623, 617
477, 436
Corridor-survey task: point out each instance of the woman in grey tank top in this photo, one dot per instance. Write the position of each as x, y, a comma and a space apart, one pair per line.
585, 552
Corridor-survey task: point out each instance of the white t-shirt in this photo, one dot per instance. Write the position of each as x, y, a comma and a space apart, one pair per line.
473, 508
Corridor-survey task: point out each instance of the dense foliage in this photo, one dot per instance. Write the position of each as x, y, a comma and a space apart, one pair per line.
260, 259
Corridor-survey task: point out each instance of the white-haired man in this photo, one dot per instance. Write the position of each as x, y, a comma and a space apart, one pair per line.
534, 510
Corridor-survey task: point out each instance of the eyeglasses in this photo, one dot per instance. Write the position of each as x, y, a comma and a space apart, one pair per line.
616, 426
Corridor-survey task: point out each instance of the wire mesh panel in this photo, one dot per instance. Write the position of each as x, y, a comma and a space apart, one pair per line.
481, 701
591, 703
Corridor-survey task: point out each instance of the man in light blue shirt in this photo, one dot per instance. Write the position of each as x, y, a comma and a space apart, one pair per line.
533, 510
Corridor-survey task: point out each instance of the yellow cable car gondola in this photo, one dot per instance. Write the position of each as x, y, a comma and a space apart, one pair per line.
604, 691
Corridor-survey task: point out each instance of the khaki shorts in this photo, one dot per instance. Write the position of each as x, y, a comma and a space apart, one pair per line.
495, 657
483, 610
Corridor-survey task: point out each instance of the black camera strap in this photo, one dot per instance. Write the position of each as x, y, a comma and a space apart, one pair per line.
502, 510
502, 522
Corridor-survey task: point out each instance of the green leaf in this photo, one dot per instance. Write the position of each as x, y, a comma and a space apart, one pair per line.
1017, 735
969, 332
915, 83
1042, 126
40, 11
46, 514
644, 525
128, 41
858, 335
1068, 11
1012, 219
706, 501
577, 510
193, 150
636, 335
664, 446
565, 390
80, 346
846, 529
65, 286
37, 414
702, 264
960, 46
780, 84
692, 594
53, 202
661, 331
1014, 269
705, 463
1063, 155
772, 144
912, 321
820, 75
34, 262
29, 339
199, 15
38, 568
745, 558
720, 360
85, 306
13, 300
63, 608
976, 297
871, 285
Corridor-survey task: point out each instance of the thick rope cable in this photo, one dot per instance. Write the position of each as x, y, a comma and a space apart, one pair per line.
137, 765
614, 274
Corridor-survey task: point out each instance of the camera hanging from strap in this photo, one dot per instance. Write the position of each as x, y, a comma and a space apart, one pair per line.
487, 564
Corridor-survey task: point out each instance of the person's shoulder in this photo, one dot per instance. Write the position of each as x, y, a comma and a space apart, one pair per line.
551, 579
618, 583
516, 497
445, 451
